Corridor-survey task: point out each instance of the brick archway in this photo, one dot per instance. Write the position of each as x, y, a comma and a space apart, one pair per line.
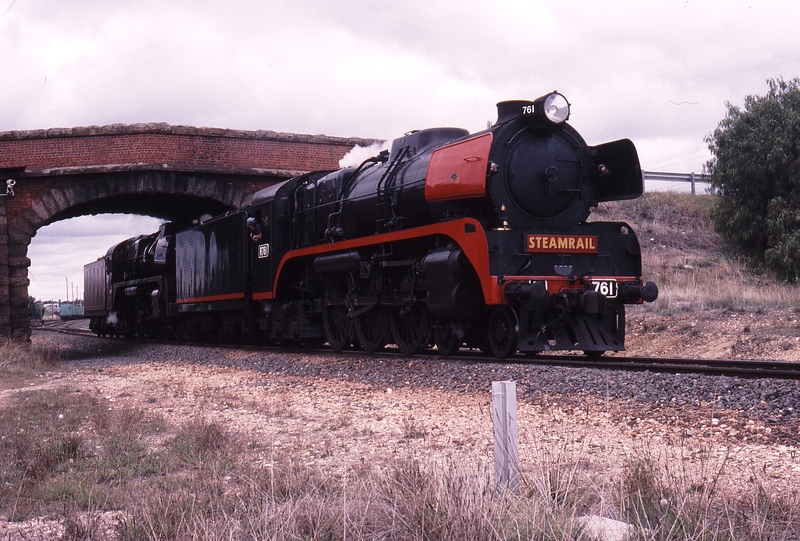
171, 196
174, 173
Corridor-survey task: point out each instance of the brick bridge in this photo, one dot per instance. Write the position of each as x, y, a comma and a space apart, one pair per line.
169, 172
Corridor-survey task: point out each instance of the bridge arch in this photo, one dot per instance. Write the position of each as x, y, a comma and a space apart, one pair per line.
172, 196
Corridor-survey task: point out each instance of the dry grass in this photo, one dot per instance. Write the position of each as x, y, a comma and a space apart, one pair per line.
691, 264
24, 356
20, 361
96, 470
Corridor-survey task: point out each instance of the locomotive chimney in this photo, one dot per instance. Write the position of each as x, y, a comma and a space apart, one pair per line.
509, 110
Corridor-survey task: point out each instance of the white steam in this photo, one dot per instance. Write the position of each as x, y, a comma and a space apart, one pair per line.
359, 154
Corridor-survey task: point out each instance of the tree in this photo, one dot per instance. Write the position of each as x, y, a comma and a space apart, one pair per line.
755, 168
34, 308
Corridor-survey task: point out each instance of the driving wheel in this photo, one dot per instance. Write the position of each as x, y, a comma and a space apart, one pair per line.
411, 328
370, 328
338, 326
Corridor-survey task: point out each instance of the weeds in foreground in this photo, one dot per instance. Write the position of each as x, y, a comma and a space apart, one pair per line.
21, 355
126, 474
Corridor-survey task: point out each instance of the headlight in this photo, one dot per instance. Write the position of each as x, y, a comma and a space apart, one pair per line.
556, 108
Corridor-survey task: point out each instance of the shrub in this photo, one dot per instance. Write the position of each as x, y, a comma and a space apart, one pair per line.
755, 170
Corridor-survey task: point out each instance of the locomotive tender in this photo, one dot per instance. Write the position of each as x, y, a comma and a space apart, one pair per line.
447, 239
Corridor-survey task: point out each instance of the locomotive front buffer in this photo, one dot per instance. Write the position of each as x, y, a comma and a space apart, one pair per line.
573, 312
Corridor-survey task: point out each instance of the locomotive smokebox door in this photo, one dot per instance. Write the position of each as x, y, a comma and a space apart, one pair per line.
543, 175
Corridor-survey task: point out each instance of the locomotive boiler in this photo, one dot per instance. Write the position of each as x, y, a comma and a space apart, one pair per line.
445, 239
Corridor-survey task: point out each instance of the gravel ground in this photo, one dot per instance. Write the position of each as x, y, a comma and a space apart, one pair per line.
726, 409
773, 404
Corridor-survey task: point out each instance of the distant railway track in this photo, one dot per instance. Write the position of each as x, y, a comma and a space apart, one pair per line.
746, 368
743, 368
72, 326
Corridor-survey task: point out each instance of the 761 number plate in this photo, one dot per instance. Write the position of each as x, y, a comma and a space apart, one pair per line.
605, 287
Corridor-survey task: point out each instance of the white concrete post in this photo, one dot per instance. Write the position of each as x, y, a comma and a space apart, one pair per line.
504, 417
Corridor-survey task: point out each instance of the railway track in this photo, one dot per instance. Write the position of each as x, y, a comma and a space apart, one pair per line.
747, 368
743, 368
74, 326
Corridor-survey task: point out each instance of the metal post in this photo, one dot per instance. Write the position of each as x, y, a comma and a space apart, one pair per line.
504, 417
692, 181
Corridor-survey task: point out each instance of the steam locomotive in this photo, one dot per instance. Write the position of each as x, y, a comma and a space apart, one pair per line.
447, 239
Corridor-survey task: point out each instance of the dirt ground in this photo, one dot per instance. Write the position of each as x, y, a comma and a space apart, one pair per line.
716, 334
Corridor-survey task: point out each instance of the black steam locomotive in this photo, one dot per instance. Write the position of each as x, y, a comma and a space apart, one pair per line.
447, 239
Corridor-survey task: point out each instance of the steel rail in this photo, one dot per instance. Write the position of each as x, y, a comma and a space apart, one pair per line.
743, 368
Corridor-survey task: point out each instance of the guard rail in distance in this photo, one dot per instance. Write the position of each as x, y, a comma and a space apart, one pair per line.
677, 177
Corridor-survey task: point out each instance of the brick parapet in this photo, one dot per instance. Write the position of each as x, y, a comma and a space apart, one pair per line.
163, 128
186, 148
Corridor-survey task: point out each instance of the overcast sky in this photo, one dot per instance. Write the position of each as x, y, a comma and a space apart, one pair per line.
656, 72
